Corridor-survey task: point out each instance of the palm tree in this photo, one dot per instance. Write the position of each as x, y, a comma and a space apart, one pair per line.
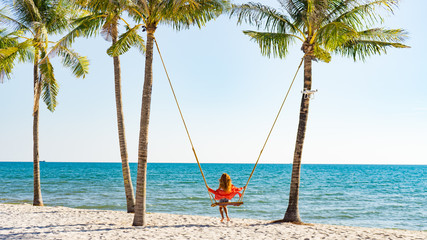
105, 15
11, 50
38, 20
180, 14
323, 27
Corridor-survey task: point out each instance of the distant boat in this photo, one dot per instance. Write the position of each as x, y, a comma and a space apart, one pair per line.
42, 161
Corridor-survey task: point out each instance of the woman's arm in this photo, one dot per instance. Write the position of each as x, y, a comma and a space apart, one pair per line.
237, 189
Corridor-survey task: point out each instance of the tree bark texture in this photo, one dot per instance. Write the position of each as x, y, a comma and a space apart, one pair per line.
141, 181
37, 200
292, 212
130, 198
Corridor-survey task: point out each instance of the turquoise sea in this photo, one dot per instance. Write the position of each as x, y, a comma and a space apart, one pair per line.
382, 196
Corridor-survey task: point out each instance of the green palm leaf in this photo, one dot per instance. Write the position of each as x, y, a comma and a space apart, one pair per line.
13, 24
71, 59
276, 44
49, 85
185, 13
321, 54
27, 11
361, 49
363, 14
60, 16
296, 9
7, 52
6, 62
21, 51
86, 26
335, 34
263, 17
386, 35
372, 41
26, 51
12, 50
126, 41
337, 8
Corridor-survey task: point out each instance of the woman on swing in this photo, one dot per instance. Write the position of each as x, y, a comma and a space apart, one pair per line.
225, 192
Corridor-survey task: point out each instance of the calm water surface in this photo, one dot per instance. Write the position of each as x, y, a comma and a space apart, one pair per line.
383, 196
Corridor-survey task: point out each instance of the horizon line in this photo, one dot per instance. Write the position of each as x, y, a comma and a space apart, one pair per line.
384, 164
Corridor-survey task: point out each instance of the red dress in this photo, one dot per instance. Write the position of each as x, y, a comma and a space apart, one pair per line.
220, 194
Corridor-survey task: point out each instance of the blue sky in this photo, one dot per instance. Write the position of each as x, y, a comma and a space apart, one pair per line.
364, 112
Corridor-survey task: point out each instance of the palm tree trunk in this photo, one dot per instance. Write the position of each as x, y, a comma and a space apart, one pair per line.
130, 199
141, 181
292, 213
37, 200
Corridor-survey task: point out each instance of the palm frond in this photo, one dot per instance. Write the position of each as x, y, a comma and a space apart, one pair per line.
93, 6
86, 26
7, 60
126, 41
7, 52
185, 13
334, 34
22, 51
143, 6
264, 17
365, 14
26, 11
336, 8
78, 64
103, 6
26, 51
139, 44
319, 10
58, 18
13, 24
297, 10
321, 54
385, 35
12, 50
49, 85
361, 49
276, 44
372, 41
139, 13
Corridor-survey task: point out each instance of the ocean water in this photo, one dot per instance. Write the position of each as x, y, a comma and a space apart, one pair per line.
382, 196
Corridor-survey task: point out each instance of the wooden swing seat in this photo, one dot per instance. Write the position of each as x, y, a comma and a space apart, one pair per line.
222, 204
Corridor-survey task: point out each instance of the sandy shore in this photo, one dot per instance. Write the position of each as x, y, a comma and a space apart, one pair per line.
28, 222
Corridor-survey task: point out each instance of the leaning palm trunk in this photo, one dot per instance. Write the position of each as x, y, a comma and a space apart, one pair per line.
141, 181
292, 213
37, 200
130, 199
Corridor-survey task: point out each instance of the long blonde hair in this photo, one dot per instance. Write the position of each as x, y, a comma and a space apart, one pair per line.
225, 182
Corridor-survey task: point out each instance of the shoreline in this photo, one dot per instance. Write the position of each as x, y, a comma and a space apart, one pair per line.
24, 221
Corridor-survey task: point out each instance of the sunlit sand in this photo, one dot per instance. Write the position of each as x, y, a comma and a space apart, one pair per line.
24, 221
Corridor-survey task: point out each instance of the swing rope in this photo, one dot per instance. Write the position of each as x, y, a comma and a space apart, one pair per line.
271, 130
240, 201
183, 121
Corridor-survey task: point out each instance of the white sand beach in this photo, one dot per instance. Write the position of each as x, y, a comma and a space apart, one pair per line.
24, 221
